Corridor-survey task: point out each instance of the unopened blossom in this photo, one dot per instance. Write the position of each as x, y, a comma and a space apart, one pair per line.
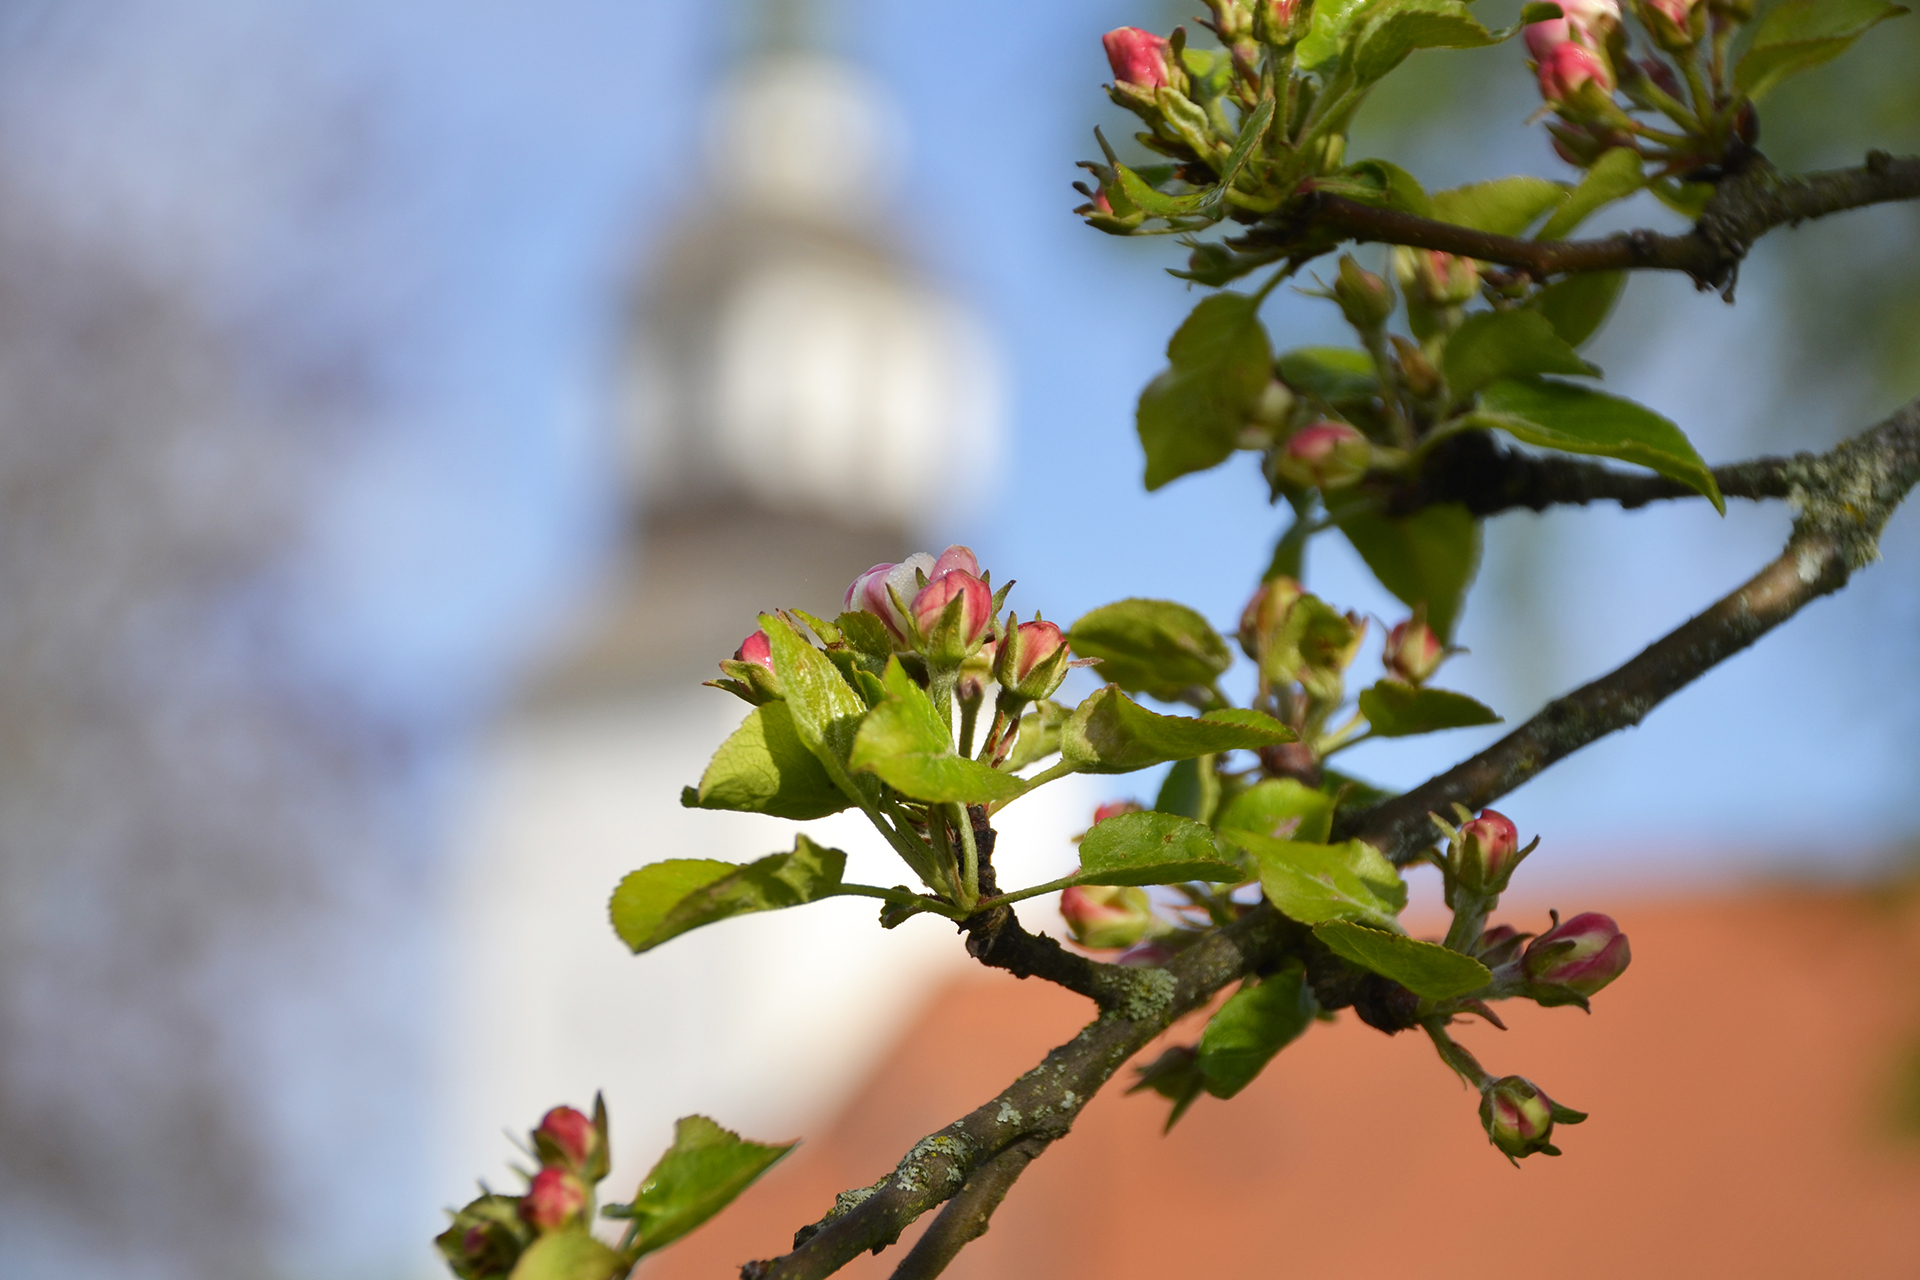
567, 1137
557, 1197
1413, 652
1567, 67
1138, 58
1106, 917
1581, 955
1324, 455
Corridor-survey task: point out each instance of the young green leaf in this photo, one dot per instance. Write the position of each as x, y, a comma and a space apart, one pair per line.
1191, 789
1424, 968
1251, 133
1282, 809
1334, 24
1157, 203
1111, 733
1398, 710
1426, 558
1395, 30
571, 1254
1155, 647
1314, 883
765, 768
667, 899
1333, 375
1490, 345
1154, 848
1577, 306
1255, 1024
1383, 185
1801, 34
904, 742
1039, 734
1559, 415
1502, 207
826, 710
1614, 176
1190, 416
699, 1175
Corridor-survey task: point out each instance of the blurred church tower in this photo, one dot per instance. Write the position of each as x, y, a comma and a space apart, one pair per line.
799, 404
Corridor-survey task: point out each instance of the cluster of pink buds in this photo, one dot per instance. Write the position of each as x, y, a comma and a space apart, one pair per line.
1434, 279
1413, 652
489, 1235
941, 608
1519, 1117
1570, 56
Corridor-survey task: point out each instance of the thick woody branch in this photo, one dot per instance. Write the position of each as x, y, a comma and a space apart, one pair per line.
995, 938
1845, 497
1745, 207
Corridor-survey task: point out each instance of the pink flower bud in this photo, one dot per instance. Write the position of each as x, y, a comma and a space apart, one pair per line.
1487, 852
1670, 22
875, 590
1580, 956
1106, 917
1265, 611
1437, 279
1544, 37
1138, 57
1101, 204
954, 558
1566, 67
1518, 1118
486, 1238
1113, 809
566, 1138
556, 1198
974, 615
1412, 651
1324, 455
755, 649
1363, 296
1033, 660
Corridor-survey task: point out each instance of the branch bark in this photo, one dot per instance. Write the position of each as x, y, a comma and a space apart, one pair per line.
1744, 207
1845, 499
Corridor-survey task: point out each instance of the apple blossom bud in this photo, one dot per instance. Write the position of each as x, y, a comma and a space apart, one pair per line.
567, 1139
556, 1198
1486, 851
1544, 37
1106, 917
1436, 279
1575, 959
1265, 612
1363, 296
951, 634
954, 557
1675, 25
1568, 67
1518, 1118
1114, 808
1282, 22
755, 649
1412, 651
883, 589
1138, 58
1499, 945
1033, 660
486, 1238
1324, 455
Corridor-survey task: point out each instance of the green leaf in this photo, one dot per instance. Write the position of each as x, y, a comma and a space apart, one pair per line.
1256, 1023
1426, 558
1577, 306
1559, 415
1490, 345
700, 1175
904, 741
1191, 789
1396, 30
1191, 415
1157, 203
1332, 30
1383, 185
1800, 35
866, 633
1154, 848
1315, 883
571, 1254
1334, 375
1614, 176
1282, 809
1039, 734
1111, 733
1398, 710
1254, 129
669, 898
765, 768
826, 710
1155, 647
1424, 968
1502, 207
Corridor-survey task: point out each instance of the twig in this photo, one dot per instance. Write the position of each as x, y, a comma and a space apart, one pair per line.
1745, 207
965, 1218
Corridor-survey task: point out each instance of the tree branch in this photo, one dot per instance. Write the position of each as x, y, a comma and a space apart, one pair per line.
1745, 207
1846, 497
965, 1218
1471, 468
